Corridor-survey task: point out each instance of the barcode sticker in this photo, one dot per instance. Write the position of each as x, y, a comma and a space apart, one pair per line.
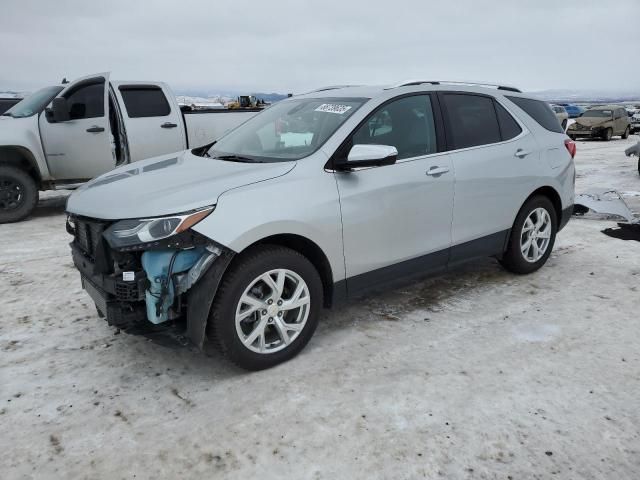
128, 276
333, 108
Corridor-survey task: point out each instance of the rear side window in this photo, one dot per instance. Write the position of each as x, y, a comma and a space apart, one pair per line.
540, 111
145, 102
509, 128
472, 120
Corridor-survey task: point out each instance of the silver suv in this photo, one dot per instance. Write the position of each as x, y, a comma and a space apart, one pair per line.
320, 198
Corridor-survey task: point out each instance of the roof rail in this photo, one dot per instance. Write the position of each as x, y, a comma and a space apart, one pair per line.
411, 83
331, 87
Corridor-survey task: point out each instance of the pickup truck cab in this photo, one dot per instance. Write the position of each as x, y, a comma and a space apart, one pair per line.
62, 136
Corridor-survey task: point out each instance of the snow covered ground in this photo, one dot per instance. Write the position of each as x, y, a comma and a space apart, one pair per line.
474, 374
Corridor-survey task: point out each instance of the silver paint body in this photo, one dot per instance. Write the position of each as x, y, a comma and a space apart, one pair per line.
364, 219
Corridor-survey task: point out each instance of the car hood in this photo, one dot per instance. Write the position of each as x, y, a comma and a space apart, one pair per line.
166, 185
592, 121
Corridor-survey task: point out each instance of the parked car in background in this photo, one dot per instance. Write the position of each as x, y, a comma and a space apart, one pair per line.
574, 111
601, 122
321, 197
7, 103
561, 115
63, 135
635, 123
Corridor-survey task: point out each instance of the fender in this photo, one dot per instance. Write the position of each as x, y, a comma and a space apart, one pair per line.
20, 144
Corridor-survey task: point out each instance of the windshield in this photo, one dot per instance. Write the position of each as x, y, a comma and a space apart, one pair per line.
598, 113
34, 103
289, 130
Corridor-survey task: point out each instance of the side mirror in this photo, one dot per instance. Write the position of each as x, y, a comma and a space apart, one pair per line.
368, 156
60, 110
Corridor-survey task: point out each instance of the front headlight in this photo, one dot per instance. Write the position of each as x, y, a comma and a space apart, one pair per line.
133, 232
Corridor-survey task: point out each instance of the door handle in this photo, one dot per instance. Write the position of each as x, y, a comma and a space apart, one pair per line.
95, 129
437, 171
520, 153
168, 125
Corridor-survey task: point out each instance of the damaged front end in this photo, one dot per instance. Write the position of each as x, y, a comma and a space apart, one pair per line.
155, 277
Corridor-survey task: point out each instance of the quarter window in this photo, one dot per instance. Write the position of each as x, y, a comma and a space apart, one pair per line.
509, 128
407, 124
146, 101
540, 111
472, 120
86, 101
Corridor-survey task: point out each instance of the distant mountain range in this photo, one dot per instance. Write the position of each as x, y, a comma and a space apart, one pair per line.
588, 96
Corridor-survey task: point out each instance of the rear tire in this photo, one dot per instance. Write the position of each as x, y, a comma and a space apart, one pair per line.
625, 135
520, 258
18, 194
564, 125
254, 337
607, 134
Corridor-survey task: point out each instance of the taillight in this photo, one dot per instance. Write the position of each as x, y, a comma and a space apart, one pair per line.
571, 147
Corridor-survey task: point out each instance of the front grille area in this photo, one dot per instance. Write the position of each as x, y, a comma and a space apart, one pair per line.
88, 235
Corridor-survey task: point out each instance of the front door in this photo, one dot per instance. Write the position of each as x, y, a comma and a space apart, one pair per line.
80, 148
397, 219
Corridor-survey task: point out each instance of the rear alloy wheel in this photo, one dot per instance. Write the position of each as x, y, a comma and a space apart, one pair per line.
532, 236
18, 194
267, 307
625, 135
607, 134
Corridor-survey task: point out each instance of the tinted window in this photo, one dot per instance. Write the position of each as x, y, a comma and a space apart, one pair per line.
472, 120
540, 112
406, 123
145, 102
86, 101
509, 128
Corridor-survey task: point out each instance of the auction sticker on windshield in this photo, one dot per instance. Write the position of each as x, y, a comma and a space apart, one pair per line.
333, 108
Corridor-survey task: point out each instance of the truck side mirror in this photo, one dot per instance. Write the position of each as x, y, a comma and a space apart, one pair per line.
60, 109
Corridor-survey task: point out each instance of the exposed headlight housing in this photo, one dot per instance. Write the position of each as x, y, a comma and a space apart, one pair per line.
126, 233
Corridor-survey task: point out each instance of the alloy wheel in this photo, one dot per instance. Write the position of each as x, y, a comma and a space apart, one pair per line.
272, 311
535, 235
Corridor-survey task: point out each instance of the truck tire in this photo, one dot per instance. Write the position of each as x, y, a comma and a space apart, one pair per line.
532, 236
266, 308
18, 194
625, 135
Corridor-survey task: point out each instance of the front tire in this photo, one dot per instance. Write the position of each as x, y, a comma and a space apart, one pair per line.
625, 135
607, 134
532, 236
18, 194
266, 309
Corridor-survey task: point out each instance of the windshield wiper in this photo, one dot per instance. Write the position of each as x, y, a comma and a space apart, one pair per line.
238, 158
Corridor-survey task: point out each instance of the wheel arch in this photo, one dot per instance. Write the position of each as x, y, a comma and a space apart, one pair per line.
23, 158
553, 195
310, 250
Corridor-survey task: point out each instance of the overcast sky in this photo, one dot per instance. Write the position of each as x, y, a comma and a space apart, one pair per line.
293, 46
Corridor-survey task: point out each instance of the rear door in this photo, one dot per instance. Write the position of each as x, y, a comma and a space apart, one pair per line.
80, 148
152, 119
494, 157
397, 218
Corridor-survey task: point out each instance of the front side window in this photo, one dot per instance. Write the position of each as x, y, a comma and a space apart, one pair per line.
407, 124
86, 101
143, 101
289, 130
472, 120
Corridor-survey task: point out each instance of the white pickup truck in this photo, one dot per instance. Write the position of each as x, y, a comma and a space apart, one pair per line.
61, 136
